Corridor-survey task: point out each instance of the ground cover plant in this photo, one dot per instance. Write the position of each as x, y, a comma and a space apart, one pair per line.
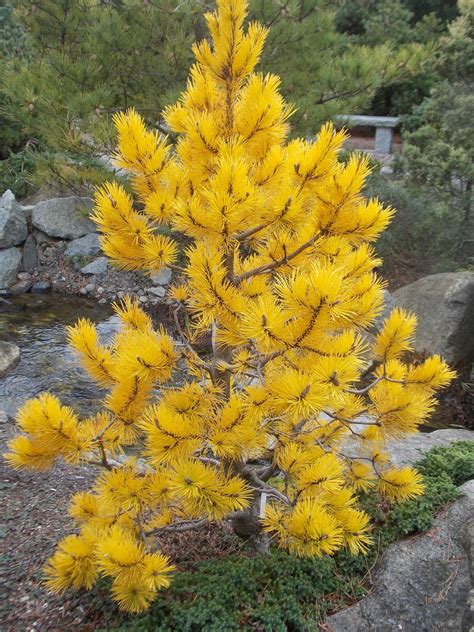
271, 430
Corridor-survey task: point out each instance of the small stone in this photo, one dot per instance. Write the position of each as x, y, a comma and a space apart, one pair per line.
120, 294
143, 299
48, 252
98, 266
90, 287
83, 291
163, 277
24, 276
21, 287
9, 357
41, 287
158, 291
100, 290
102, 301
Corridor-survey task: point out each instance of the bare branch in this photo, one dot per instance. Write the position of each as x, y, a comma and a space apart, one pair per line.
179, 527
268, 267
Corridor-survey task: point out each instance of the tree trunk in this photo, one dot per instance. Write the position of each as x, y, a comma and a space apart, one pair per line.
246, 525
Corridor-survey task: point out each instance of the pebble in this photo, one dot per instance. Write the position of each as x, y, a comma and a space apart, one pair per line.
41, 287
83, 291
21, 286
120, 294
24, 276
158, 291
143, 299
100, 290
90, 287
102, 301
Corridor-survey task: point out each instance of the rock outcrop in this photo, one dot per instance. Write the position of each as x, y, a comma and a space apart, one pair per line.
444, 305
422, 584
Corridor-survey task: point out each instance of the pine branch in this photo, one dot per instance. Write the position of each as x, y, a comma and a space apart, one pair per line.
268, 267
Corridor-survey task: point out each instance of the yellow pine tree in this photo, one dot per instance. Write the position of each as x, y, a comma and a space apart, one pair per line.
272, 429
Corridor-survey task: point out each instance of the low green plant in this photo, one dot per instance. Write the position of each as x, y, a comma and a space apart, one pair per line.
281, 592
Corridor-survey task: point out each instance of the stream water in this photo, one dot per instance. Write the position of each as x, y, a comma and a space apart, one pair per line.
37, 324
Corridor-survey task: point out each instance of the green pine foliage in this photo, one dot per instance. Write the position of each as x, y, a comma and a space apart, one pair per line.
90, 60
16, 160
326, 71
280, 592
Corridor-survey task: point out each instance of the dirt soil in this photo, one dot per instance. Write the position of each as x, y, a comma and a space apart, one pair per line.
34, 518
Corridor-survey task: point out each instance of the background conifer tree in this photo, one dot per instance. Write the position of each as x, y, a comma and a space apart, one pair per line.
91, 59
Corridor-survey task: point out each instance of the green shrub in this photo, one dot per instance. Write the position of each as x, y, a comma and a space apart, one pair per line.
423, 227
280, 592
456, 462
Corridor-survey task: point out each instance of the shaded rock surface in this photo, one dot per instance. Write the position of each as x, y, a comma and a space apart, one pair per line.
86, 246
64, 217
98, 266
29, 257
421, 584
444, 304
13, 228
10, 261
9, 357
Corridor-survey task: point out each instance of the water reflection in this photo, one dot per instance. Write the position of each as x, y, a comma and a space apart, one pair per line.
37, 324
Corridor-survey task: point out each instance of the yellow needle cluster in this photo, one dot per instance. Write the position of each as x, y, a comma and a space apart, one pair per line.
279, 273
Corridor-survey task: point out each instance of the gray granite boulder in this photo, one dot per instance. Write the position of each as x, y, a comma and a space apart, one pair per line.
13, 228
86, 246
444, 305
10, 262
98, 266
422, 584
389, 304
66, 218
9, 357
